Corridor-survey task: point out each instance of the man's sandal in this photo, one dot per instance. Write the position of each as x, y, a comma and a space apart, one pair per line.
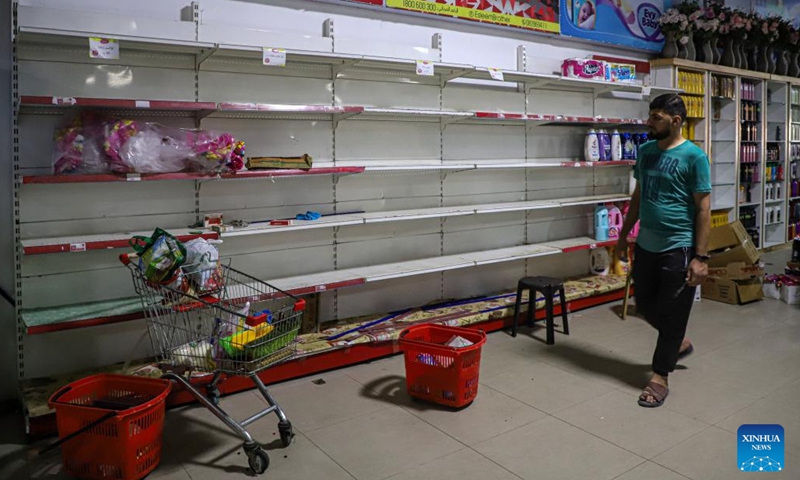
657, 391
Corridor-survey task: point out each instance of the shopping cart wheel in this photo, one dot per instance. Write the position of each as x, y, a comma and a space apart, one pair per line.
287, 434
258, 459
213, 394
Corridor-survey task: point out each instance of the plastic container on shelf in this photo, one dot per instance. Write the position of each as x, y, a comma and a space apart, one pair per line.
601, 223
125, 446
439, 373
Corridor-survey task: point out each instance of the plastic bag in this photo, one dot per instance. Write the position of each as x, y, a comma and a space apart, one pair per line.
149, 152
202, 266
458, 342
94, 144
160, 256
79, 147
195, 354
227, 328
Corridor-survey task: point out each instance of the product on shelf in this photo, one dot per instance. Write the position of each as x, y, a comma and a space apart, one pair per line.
691, 82
302, 162
723, 87
96, 144
592, 147
616, 146
695, 107
584, 68
601, 223
621, 72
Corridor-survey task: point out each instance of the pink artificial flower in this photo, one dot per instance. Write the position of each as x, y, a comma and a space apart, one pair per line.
721, 16
684, 40
710, 13
694, 16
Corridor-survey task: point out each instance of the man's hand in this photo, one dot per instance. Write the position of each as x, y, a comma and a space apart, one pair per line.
697, 272
622, 249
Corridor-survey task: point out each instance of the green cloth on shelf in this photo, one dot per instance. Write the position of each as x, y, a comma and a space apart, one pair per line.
36, 317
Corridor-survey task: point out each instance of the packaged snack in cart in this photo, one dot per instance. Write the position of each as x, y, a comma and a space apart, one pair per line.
202, 265
160, 256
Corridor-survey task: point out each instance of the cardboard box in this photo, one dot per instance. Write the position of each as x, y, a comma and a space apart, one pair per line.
731, 244
790, 294
732, 291
771, 290
736, 271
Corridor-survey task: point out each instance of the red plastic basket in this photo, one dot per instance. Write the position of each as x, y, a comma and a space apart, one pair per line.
438, 373
127, 446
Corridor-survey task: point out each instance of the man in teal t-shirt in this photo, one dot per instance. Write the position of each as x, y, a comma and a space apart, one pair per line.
672, 200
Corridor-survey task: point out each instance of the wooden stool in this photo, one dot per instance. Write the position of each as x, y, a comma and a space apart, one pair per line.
548, 286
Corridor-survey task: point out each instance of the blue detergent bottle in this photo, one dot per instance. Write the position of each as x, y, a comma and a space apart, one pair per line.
601, 223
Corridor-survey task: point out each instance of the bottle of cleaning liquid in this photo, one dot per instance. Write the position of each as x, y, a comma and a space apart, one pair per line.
618, 266
614, 222
599, 261
592, 147
601, 223
616, 146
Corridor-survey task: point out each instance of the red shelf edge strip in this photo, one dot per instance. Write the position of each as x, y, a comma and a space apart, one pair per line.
102, 245
45, 425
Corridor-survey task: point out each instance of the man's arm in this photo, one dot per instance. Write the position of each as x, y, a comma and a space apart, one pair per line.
633, 214
698, 270
630, 220
702, 202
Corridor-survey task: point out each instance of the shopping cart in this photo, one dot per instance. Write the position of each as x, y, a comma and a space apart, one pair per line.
241, 328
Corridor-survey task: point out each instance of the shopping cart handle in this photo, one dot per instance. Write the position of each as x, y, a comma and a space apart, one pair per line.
299, 305
127, 258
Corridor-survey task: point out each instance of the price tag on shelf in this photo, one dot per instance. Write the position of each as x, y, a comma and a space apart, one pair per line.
496, 74
77, 247
274, 57
424, 68
133, 177
103, 48
142, 103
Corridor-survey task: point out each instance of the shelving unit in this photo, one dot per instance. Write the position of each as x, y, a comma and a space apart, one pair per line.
723, 150
776, 164
694, 86
752, 156
764, 148
427, 182
793, 174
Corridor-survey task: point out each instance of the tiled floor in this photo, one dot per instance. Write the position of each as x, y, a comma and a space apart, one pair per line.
562, 412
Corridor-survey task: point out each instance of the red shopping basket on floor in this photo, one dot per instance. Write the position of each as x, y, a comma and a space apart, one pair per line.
438, 373
122, 418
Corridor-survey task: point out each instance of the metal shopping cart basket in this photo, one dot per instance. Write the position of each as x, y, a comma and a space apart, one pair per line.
241, 327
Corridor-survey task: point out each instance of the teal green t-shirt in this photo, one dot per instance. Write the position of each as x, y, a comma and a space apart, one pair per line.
668, 180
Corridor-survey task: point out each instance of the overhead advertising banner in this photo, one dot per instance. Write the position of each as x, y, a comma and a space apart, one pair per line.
630, 23
540, 15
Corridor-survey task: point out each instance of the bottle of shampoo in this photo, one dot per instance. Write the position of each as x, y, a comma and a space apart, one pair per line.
592, 147
616, 146
600, 145
605, 154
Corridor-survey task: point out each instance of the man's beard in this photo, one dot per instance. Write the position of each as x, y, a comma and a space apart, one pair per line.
656, 135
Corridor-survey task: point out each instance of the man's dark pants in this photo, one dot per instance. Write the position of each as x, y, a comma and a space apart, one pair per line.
658, 277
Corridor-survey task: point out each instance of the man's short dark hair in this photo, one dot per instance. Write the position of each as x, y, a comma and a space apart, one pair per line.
671, 104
